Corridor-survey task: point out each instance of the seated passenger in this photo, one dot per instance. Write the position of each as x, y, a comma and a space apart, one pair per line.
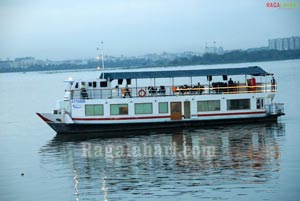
162, 90
152, 90
230, 85
174, 89
230, 82
127, 92
83, 93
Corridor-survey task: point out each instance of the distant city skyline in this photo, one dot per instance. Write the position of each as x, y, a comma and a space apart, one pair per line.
61, 30
288, 43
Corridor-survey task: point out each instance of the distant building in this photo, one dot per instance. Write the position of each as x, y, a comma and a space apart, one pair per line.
286, 45
214, 49
297, 43
279, 43
291, 43
272, 44
23, 62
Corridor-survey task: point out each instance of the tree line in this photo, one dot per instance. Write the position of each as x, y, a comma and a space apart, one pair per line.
230, 57
238, 57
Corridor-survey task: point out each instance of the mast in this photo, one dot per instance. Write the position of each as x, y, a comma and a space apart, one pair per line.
102, 58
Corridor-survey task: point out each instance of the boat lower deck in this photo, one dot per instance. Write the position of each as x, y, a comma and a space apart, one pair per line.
113, 130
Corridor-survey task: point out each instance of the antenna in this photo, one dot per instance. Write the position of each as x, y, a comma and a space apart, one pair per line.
102, 58
98, 58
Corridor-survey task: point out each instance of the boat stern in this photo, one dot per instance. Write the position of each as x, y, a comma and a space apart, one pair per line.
275, 109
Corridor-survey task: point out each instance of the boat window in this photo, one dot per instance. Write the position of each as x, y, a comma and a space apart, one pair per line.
259, 103
94, 110
163, 107
76, 85
94, 84
238, 104
211, 105
103, 84
143, 108
90, 84
119, 109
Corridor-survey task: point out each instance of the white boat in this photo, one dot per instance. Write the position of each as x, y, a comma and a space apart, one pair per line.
126, 101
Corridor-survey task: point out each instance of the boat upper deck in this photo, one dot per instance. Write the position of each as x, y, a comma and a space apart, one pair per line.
182, 90
105, 90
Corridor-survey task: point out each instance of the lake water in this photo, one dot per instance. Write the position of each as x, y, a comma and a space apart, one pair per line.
243, 162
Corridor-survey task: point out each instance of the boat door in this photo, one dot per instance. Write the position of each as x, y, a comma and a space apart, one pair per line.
187, 109
176, 113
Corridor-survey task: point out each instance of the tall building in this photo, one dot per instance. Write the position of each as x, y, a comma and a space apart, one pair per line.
279, 43
272, 44
286, 45
291, 43
297, 43
214, 49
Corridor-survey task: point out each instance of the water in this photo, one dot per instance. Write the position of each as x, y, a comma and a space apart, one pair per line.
242, 162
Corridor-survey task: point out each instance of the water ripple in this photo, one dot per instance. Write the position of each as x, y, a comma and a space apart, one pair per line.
212, 164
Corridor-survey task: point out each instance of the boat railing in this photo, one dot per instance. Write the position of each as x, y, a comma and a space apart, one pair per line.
181, 90
275, 108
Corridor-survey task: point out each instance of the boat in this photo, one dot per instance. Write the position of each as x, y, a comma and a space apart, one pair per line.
137, 100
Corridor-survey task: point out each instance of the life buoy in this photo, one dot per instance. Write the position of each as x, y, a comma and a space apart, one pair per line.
142, 93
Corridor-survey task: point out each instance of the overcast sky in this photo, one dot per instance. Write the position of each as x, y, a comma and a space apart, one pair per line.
69, 29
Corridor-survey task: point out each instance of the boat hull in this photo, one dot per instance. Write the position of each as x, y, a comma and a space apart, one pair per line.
112, 130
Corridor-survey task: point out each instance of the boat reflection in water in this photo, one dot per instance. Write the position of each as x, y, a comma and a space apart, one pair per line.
200, 162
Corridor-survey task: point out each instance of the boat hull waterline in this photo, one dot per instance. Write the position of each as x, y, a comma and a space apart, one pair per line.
107, 128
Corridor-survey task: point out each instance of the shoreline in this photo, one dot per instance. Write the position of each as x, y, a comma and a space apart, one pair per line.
92, 68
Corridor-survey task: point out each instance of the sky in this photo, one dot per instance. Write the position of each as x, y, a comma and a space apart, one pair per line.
73, 29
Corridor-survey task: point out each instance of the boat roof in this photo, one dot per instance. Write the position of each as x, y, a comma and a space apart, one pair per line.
251, 70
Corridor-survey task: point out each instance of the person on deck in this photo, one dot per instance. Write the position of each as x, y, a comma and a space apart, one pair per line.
230, 82
83, 92
127, 91
230, 85
273, 84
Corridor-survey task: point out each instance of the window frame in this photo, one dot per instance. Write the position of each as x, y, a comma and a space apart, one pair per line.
126, 106
207, 106
239, 106
159, 111
135, 109
94, 109
94, 84
103, 86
